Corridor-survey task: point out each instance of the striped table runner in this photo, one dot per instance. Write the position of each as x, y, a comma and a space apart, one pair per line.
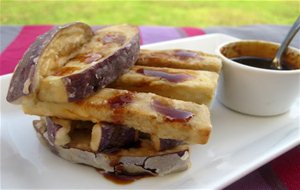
281, 173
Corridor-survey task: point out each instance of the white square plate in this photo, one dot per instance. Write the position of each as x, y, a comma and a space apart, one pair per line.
238, 145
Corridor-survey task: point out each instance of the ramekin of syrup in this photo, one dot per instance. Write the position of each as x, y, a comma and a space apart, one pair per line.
248, 82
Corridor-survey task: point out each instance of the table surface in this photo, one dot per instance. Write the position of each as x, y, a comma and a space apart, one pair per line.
281, 173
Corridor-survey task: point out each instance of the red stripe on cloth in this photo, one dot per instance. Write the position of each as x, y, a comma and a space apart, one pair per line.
287, 168
191, 31
14, 52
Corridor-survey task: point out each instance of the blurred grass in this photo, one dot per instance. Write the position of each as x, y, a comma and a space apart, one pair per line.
173, 13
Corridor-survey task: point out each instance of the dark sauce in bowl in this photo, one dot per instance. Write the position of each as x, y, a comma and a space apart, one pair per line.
258, 62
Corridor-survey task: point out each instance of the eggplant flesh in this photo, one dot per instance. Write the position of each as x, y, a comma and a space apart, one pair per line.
166, 144
180, 59
58, 130
42, 52
71, 62
146, 112
111, 52
101, 137
115, 136
111, 138
134, 162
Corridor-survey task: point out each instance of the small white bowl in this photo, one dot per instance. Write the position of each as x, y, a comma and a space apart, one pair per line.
256, 91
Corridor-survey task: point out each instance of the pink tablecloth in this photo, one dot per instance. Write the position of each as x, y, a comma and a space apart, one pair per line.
281, 173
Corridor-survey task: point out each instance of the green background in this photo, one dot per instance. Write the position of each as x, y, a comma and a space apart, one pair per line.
170, 13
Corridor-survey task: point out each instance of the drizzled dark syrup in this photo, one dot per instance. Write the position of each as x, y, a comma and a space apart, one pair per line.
114, 38
258, 62
171, 77
65, 71
118, 176
87, 57
121, 100
181, 54
118, 179
121, 179
170, 113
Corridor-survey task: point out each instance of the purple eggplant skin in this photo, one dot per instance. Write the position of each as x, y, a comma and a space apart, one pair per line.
22, 82
156, 164
142, 135
166, 144
101, 74
52, 129
115, 137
